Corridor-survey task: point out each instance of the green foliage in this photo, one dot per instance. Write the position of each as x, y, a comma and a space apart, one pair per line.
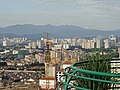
98, 63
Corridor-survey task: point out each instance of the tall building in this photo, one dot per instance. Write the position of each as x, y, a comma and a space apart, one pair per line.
4, 43
40, 43
92, 44
106, 43
39, 57
98, 43
113, 38
34, 45
119, 52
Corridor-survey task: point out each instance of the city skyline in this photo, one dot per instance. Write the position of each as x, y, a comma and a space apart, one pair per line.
92, 14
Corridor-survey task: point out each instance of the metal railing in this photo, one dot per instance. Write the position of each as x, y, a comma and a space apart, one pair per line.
95, 79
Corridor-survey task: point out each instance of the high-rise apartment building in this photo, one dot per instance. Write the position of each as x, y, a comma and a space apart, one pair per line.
106, 43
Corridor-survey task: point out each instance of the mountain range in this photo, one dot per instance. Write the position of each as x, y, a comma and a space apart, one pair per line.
62, 31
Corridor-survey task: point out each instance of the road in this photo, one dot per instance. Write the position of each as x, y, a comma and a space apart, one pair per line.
18, 71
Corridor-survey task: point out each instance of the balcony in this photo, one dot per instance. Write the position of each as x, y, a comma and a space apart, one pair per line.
85, 76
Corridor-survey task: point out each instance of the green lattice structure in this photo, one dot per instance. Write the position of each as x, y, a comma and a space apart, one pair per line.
73, 74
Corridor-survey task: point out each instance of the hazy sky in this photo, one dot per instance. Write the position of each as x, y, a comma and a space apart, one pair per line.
98, 14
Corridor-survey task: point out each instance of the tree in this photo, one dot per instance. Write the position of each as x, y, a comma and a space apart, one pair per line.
98, 63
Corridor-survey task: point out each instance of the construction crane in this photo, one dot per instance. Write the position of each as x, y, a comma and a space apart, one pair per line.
47, 57
47, 61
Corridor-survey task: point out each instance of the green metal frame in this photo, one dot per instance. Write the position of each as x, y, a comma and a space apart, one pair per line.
70, 73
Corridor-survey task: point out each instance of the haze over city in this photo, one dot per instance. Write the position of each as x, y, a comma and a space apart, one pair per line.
59, 44
92, 14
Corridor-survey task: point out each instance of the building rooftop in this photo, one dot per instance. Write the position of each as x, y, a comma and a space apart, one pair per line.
49, 78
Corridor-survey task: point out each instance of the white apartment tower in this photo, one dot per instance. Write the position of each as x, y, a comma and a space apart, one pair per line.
4, 43
106, 43
98, 43
40, 43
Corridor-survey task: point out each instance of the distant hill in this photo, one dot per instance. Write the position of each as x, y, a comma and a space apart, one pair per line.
36, 31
